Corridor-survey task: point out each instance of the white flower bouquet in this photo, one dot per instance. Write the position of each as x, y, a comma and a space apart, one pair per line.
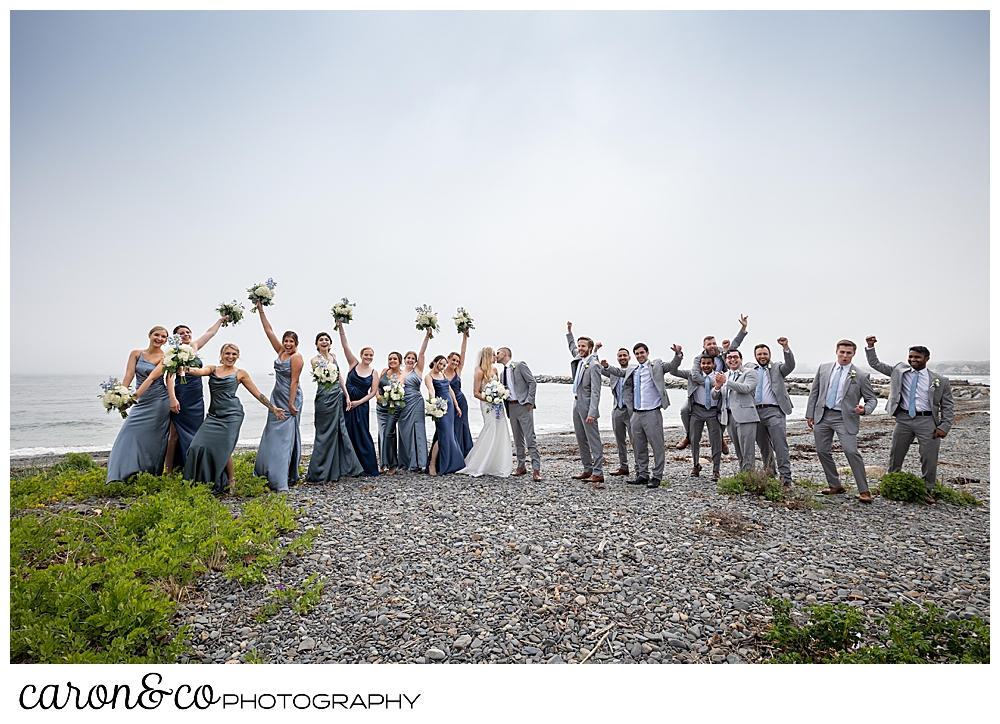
262, 292
233, 310
325, 374
116, 396
177, 356
436, 407
426, 319
343, 313
463, 322
494, 394
392, 396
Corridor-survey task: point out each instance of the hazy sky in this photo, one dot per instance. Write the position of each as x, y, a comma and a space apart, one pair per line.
649, 175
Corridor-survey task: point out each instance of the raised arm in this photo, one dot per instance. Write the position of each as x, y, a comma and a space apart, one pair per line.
130, 367
244, 379
293, 388
352, 361
789, 364
735, 344
275, 342
675, 363
419, 367
873, 360
571, 341
207, 337
461, 354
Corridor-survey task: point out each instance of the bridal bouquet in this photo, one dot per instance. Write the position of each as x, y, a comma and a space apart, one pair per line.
325, 374
436, 407
116, 396
343, 313
426, 319
177, 356
233, 310
392, 396
262, 292
494, 393
463, 322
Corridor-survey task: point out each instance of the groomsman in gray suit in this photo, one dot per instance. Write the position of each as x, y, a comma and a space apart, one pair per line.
710, 348
922, 404
704, 411
621, 418
587, 400
645, 396
735, 389
519, 381
835, 407
773, 406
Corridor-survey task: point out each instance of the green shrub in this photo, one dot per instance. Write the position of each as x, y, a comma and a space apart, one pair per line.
905, 487
757, 482
953, 496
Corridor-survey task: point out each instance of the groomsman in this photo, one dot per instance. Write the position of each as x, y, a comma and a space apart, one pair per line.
704, 411
645, 396
735, 389
519, 381
835, 406
621, 418
587, 400
710, 348
773, 406
922, 404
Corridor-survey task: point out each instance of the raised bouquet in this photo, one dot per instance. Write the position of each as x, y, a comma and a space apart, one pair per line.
426, 319
116, 396
263, 293
325, 374
494, 394
343, 313
392, 396
177, 356
463, 322
436, 407
231, 312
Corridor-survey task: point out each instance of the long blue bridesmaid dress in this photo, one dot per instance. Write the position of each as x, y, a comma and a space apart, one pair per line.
333, 453
463, 433
411, 433
450, 458
191, 397
387, 441
141, 445
357, 423
281, 443
216, 439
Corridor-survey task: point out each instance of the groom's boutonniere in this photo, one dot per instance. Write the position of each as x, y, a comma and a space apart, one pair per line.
512, 366
852, 374
936, 382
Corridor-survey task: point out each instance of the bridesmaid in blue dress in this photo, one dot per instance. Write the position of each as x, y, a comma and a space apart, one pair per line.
191, 396
333, 453
411, 431
209, 458
361, 387
453, 373
388, 416
142, 440
446, 456
281, 442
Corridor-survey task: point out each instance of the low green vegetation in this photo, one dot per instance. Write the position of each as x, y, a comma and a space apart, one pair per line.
302, 599
760, 483
96, 568
841, 634
909, 488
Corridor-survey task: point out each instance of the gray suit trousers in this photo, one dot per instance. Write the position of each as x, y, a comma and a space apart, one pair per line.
647, 427
744, 436
903, 433
699, 418
686, 417
772, 439
588, 438
522, 428
833, 421
621, 423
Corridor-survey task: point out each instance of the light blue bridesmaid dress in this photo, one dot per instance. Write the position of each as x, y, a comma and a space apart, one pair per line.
141, 444
411, 434
281, 443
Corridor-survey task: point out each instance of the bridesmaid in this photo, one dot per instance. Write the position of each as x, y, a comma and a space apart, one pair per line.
333, 454
411, 429
281, 443
361, 387
184, 424
142, 440
446, 457
387, 440
209, 458
453, 373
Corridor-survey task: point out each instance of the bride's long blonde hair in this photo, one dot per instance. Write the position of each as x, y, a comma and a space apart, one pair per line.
486, 363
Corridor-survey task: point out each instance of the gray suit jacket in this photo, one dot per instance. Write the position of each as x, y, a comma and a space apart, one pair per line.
695, 379
942, 403
857, 387
777, 375
588, 392
720, 359
614, 384
658, 370
522, 382
741, 396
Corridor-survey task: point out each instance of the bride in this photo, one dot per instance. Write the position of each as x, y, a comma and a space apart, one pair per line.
492, 452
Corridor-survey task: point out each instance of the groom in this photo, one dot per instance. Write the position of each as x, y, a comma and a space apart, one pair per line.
520, 383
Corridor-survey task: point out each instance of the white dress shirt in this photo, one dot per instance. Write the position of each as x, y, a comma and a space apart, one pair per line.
510, 382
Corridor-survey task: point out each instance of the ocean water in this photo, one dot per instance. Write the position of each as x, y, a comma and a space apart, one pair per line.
52, 415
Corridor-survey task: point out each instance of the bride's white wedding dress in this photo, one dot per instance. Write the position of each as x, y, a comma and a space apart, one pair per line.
492, 453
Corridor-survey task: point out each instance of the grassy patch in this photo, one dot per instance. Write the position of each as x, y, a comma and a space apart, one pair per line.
302, 599
757, 482
954, 496
908, 488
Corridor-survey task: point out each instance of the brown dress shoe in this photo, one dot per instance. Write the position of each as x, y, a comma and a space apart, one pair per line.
865, 497
696, 471
832, 491
683, 444
715, 475
595, 479
725, 448
620, 471
786, 486
520, 471
929, 500
582, 476
537, 476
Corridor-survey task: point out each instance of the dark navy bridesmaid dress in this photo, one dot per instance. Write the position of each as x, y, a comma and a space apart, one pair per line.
450, 458
191, 397
357, 423
463, 433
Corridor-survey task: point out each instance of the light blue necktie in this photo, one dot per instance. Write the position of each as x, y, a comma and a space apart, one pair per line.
708, 393
637, 382
912, 407
761, 371
620, 386
831, 396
